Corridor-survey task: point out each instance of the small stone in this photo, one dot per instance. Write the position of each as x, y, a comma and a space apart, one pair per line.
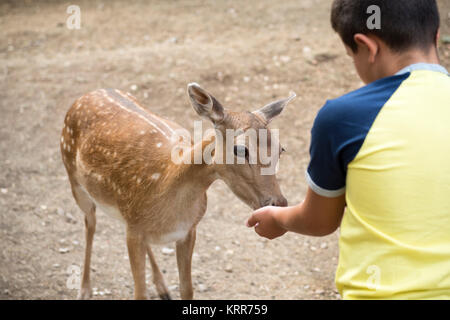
172, 40
70, 218
4, 190
306, 50
167, 251
173, 287
319, 291
232, 12
313, 248
323, 245
285, 59
56, 265
316, 269
229, 268
246, 79
64, 250
217, 248
60, 211
306, 286
133, 87
107, 292
80, 79
202, 287
43, 207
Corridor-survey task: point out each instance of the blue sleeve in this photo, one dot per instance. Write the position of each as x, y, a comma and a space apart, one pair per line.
326, 172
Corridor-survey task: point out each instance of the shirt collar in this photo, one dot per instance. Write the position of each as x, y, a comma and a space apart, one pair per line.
423, 66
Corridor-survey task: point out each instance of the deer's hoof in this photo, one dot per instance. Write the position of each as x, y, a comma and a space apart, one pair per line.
84, 294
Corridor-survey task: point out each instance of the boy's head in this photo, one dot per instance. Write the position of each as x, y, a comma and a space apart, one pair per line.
405, 27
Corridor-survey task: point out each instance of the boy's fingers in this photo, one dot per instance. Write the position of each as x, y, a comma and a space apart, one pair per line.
252, 221
254, 218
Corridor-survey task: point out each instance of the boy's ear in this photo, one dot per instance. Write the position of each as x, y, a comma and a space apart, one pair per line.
367, 43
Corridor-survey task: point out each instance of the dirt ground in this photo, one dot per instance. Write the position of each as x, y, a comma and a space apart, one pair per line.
247, 53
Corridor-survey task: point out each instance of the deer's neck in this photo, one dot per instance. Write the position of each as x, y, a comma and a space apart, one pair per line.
198, 175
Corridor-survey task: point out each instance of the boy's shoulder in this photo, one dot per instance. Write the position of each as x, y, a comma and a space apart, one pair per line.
362, 104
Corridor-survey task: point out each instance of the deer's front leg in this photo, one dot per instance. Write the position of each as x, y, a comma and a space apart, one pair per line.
136, 252
185, 249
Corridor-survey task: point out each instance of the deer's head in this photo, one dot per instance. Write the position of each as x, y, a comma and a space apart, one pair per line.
246, 152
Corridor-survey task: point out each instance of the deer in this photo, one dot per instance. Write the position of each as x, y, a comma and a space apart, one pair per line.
117, 155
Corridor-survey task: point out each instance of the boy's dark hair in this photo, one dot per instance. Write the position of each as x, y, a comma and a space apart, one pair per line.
405, 24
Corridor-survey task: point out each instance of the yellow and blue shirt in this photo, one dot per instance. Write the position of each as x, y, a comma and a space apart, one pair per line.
387, 147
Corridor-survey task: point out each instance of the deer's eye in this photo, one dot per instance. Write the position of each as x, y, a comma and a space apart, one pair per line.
241, 151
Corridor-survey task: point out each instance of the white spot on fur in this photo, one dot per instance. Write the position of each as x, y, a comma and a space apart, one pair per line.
138, 180
156, 176
158, 145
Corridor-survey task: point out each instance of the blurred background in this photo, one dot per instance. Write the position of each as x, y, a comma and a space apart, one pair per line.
246, 53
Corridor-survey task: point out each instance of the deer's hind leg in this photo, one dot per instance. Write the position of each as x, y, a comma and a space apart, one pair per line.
88, 207
158, 278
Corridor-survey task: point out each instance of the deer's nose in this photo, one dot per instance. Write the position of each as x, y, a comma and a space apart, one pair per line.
280, 202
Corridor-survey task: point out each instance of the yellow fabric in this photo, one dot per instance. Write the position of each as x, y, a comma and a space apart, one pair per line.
395, 234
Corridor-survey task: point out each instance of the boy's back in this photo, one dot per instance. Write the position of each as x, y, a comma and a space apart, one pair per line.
390, 140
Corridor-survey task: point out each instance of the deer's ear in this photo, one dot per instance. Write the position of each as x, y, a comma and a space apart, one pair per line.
204, 103
270, 111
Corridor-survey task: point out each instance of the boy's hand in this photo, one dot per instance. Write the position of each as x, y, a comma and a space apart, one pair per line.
265, 222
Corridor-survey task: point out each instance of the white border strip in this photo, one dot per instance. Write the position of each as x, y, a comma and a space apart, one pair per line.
160, 120
321, 191
117, 103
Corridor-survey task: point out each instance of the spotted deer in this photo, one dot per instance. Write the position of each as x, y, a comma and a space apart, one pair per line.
118, 158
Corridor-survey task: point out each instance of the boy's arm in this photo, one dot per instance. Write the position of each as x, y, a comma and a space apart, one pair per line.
315, 216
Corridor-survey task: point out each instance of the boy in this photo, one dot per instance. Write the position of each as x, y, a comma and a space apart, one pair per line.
382, 153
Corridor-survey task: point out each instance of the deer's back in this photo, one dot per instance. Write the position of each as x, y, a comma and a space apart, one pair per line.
116, 150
